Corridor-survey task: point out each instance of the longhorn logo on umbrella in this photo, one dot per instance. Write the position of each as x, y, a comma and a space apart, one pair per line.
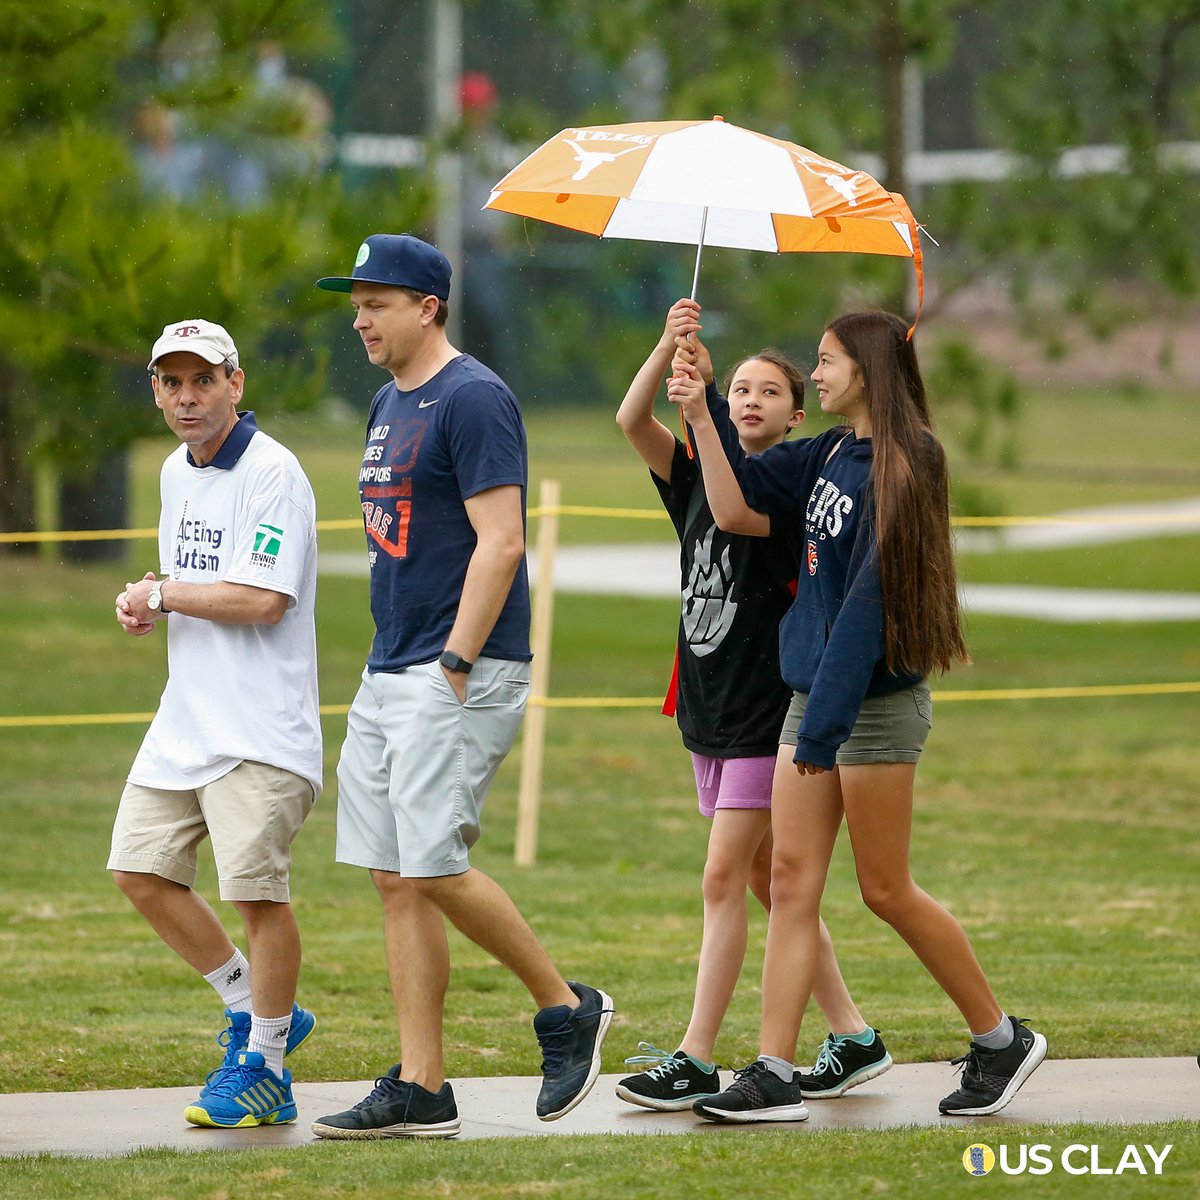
708, 182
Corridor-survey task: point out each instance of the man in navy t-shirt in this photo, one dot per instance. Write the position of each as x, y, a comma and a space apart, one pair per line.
442, 483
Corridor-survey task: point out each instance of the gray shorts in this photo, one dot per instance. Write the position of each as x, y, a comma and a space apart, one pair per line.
416, 765
890, 728
251, 815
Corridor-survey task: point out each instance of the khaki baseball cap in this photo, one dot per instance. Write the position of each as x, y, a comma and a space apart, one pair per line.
204, 338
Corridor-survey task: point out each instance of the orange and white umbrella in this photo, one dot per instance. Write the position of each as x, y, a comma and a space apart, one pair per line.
707, 183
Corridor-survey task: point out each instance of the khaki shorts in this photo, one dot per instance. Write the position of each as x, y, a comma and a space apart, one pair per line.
416, 765
890, 728
252, 815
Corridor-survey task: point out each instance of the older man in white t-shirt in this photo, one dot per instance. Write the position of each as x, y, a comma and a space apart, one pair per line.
234, 751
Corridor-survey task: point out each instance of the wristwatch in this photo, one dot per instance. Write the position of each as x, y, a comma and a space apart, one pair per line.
455, 663
154, 601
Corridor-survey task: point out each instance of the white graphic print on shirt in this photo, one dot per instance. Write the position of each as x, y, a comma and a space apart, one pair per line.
708, 604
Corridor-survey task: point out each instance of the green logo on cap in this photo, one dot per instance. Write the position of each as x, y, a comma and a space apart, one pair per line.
364, 252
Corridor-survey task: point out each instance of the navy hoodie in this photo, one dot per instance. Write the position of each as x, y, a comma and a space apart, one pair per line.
831, 640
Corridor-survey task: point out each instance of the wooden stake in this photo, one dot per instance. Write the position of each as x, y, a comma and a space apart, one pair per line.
533, 741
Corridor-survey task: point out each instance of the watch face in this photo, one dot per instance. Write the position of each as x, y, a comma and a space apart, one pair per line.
154, 600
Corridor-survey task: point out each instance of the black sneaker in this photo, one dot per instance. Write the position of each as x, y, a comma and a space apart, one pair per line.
570, 1039
675, 1081
843, 1064
757, 1094
395, 1109
991, 1078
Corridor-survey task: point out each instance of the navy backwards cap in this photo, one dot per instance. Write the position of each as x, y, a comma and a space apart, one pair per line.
398, 260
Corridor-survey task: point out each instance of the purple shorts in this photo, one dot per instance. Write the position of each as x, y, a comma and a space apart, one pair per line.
733, 782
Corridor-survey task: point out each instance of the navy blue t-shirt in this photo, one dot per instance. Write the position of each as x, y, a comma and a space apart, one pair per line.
427, 451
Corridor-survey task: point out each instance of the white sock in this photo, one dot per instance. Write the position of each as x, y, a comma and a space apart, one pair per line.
778, 1066
268, 1037
232, 982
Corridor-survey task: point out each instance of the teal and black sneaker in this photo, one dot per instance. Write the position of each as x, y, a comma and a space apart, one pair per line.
843, 1064
670, 1082
235, 1037
246, 1094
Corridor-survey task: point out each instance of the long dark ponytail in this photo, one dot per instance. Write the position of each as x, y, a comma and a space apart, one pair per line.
911, 493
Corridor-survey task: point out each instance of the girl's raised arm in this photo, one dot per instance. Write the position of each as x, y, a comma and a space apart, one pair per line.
725, 498
644, 432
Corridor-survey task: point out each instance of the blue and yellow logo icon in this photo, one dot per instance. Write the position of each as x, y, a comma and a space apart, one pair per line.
978, 1159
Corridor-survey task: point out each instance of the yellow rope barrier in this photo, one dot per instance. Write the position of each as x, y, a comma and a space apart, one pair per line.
948, 697
636, 514
942, 697
599, 702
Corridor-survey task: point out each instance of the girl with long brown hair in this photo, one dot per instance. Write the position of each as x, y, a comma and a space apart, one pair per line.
876, 611
729, 702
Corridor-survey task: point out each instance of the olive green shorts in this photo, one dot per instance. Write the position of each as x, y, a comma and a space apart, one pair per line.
890, 728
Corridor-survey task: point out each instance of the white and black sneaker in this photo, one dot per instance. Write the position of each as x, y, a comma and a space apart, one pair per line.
843, 1064
673, 1081
757, 1094
991, 1078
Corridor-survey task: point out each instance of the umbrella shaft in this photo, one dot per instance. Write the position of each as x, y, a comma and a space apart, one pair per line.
699, 249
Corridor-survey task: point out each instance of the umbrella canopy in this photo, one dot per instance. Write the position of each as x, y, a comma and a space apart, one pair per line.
707, 183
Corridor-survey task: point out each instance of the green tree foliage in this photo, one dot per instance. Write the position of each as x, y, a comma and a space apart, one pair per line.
101, 244
1045, 78
824, 75
1118, 73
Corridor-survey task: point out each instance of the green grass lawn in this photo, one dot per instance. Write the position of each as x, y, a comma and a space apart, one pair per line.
1061, 832
768, 1164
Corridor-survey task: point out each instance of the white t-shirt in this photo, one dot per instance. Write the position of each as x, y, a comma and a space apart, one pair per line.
237, 692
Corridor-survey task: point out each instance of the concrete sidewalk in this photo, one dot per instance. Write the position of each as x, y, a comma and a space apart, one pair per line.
1123, 1091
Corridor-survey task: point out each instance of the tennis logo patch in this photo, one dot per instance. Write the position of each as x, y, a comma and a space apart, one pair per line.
268, 540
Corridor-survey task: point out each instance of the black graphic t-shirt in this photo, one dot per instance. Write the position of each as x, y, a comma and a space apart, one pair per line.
735, 589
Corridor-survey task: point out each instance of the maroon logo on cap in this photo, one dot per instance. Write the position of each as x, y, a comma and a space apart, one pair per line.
185, 330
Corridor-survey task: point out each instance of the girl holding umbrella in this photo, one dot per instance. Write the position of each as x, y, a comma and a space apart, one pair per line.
731, 701
876, 612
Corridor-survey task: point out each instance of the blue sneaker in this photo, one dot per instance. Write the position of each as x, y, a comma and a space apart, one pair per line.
246, 1094
571, 1039
235, 1037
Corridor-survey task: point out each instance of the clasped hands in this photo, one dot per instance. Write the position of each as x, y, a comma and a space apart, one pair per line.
133, 615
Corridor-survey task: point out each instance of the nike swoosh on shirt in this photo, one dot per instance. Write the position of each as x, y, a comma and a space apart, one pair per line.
427, 403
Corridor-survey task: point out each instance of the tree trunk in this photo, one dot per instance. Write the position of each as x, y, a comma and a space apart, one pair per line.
96, 497
17, 507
